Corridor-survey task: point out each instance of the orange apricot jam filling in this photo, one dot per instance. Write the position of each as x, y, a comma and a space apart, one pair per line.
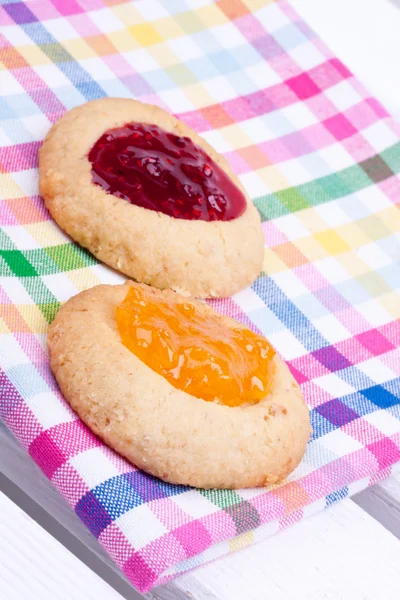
196, 352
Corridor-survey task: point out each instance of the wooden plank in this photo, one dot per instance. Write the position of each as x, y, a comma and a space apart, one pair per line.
383, 503
339, 554
34, 565
323, 541
23, 481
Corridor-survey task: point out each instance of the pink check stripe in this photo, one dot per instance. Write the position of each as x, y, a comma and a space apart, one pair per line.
279, 96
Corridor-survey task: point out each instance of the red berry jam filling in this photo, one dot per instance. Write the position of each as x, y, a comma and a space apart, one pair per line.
149, 167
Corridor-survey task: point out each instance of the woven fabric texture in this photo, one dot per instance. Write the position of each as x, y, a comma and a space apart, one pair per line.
319, 156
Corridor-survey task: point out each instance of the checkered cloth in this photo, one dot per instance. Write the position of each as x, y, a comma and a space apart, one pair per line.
320, 158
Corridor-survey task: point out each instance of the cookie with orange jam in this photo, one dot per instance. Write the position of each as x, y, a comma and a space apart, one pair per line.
151, 198
182, 392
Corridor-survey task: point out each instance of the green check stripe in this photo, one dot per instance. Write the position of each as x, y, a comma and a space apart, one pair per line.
15, 263
322, 190
30, 265
222, 499
242, 513
391, 156
43, 261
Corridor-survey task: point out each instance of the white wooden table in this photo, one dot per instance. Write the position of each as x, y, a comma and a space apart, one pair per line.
349, 552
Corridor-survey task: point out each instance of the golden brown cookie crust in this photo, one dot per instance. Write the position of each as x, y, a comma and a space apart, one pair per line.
163, 430
200, 258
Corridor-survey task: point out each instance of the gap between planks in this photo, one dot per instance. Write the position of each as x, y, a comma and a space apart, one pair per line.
23, 481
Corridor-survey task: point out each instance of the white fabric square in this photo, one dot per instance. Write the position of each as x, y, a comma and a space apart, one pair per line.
17, 36
94, 467
141, 526
20, 237
317, 455
8, 84
217, 141
304, 468
60, 286
374, 313
106, 20
219, 89
376, 370
374, 199
299, 115
263, 75
60, 29
373, 256
332, 214
11, 353
196, 506
48, 412
272, 17
15, 290
343, 95
380, 136
185, 47
291, 226
141, 60
4, 139
151, 10
256, 130
52, 76
294, 172
253, 184
176, 100
287, 345
38, 125
384, 421
28, 181
228, 36
97, 68
332, 270
307, 56
331, 329
248, 300
336, 156
335, 386
340, 443
290, 284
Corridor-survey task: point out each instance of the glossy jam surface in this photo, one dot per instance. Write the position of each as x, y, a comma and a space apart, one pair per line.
149, 167
196, 352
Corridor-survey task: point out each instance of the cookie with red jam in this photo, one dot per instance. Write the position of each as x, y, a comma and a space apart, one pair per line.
149, 197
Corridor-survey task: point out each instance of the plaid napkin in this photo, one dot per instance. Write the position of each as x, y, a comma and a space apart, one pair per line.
320, 158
